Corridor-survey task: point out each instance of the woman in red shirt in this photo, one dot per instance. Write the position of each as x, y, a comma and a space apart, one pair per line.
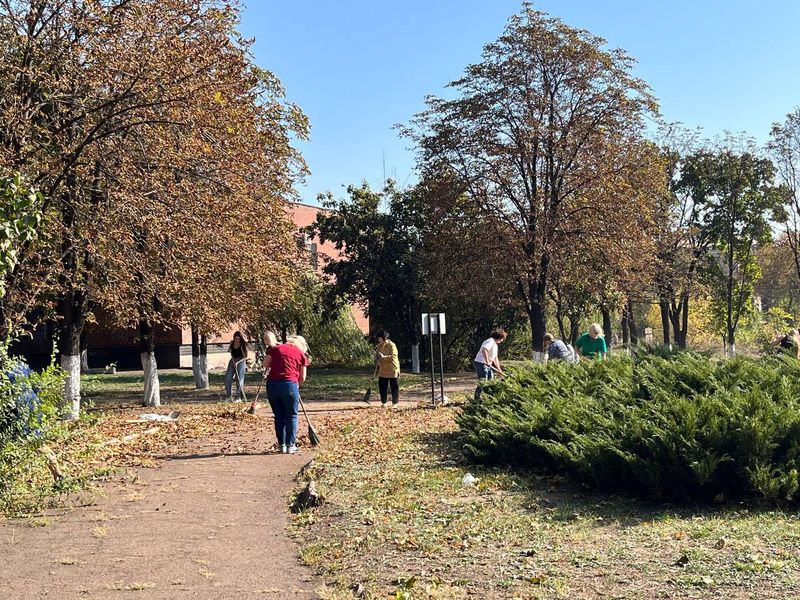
285, 369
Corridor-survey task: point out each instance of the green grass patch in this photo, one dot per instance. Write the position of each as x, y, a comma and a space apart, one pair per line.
325, 383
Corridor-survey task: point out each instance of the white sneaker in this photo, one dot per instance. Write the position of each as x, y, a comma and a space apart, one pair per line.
283, 449
293, 449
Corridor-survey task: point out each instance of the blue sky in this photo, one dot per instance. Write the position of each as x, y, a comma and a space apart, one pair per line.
357, 67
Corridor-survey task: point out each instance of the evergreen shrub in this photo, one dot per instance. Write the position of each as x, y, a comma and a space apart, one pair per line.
658, 424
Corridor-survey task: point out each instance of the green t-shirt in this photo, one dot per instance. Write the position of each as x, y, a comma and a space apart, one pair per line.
589, 347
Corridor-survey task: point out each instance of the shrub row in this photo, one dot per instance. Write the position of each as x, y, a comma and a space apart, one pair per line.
680, 426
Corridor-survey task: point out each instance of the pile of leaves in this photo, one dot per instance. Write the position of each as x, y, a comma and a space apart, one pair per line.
680, 426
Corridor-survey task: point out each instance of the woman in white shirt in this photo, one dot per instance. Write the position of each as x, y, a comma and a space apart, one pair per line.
486, 361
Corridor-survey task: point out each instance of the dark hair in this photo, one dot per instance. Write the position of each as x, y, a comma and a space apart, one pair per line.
382, 333
499, 333
241, 337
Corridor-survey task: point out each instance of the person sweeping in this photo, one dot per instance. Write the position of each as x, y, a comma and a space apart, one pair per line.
486, 361
237, 365
285, 368
388, 364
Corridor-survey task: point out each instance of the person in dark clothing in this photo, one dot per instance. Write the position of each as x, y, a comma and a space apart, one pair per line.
236, 365
556, 349
788, 343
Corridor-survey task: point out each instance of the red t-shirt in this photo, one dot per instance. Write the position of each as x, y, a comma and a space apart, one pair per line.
286, 363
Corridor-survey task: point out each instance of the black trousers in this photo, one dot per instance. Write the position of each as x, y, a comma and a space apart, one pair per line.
383, 387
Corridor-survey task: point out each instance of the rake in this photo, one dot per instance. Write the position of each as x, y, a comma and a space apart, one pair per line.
368, 394
312, 433
252, 409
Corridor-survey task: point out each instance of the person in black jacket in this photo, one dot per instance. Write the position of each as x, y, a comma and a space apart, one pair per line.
788, 343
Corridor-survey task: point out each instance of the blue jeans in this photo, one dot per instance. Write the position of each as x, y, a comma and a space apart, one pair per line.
229, 378
484, 371
284, 398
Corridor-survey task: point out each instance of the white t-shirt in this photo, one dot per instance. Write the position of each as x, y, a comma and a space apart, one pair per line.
491, 349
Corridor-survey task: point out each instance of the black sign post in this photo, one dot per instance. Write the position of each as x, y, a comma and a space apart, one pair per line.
434, 323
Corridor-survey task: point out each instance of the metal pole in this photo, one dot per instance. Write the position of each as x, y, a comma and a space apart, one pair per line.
433, 382
441, 365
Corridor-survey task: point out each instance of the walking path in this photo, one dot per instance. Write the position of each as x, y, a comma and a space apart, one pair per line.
201, 526
209, 523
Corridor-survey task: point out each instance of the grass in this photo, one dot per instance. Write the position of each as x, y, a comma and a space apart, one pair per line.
324, 383
398, 522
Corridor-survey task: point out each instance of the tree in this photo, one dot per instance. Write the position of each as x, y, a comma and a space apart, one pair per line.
736, 199
545, 129
20, 220
466, 270
380, 265
680, 241
778, 287
331, 332
784, 146
150, 132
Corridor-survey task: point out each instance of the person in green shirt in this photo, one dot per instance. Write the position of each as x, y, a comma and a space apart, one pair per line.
592, 344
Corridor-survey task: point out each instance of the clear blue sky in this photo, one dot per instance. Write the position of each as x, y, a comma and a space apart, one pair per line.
357, 67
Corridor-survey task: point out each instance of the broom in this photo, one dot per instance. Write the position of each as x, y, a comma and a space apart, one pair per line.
312, 433
368, 394
252, 409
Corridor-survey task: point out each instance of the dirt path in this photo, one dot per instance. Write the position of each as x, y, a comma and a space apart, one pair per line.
209, 523
208, 526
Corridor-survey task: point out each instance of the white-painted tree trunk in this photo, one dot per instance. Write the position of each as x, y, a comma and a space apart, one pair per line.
731, 350
72, 386
200, 371
85, 360
415, 367
152, 390
539, 357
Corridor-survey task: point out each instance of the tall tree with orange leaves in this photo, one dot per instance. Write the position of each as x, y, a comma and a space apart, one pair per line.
164, 157
539, 132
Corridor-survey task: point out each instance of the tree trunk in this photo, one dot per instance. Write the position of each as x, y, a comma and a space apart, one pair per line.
415, 368
634, 333
537, 319
72, 318
199, 360
73, 306
71, 363
537, 293
574, 329
562, 330
607, 331
679, 316
538, 325
84, 352
663, 306
152, 390
625, 328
